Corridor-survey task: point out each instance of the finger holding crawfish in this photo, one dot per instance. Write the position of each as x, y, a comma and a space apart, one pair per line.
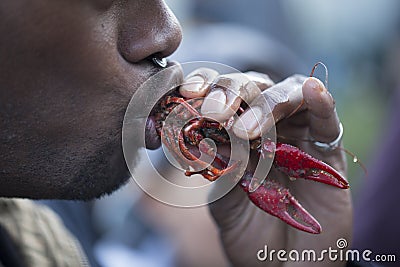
302, 109
200, 83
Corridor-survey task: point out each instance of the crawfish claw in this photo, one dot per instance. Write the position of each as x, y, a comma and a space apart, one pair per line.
298, 164
276, 200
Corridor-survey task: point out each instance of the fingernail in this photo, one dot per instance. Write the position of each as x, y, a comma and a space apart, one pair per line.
249, 120
215, 102
314, 83
192, 85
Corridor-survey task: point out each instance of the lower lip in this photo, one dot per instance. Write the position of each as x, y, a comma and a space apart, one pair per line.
152, 139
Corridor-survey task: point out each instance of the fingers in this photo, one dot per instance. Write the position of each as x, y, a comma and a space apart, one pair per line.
224, 93
261, 80
323, 119
228, 91
197, 83
280, 101
224, 98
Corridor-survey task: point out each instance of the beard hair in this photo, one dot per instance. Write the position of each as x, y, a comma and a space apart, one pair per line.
101, 174
106, 170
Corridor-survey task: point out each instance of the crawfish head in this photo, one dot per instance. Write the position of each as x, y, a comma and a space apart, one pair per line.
270, 196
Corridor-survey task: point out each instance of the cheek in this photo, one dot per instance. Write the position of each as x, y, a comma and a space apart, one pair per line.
64, 91
67, 90
83, 116
65, 57
72, 82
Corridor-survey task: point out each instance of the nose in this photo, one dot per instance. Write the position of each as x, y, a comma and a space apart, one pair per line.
147, 28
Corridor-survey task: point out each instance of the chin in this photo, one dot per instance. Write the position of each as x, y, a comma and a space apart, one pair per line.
100, 175
78, 175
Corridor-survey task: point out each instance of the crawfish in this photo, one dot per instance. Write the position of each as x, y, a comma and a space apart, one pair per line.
270, 196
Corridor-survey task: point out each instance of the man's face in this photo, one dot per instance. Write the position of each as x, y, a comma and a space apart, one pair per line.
68, 69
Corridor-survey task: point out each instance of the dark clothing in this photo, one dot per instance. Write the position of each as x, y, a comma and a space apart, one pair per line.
377, 220
9, 253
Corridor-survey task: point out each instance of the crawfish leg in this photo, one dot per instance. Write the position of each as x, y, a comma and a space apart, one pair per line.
192, 133
208, 171
211, 173
179, 100
276, 200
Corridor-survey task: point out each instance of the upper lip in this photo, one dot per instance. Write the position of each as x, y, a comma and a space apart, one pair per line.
151, 91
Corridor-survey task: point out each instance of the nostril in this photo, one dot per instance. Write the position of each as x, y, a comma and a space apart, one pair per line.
144, 48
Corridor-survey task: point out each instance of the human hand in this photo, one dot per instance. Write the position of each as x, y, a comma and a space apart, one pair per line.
244, 228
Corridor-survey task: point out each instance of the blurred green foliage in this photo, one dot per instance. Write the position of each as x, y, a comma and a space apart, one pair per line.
362, 111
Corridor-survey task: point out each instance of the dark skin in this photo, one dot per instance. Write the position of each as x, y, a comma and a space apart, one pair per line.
68, 71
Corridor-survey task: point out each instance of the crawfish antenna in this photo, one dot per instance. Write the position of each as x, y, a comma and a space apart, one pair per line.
355, 160
326, 72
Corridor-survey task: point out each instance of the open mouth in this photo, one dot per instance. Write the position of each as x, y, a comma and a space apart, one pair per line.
155, 121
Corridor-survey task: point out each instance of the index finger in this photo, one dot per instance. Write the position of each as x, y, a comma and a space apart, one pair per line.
197, 83
228, 91
274, 104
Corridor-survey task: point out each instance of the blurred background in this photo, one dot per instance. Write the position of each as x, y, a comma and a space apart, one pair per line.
359, 41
